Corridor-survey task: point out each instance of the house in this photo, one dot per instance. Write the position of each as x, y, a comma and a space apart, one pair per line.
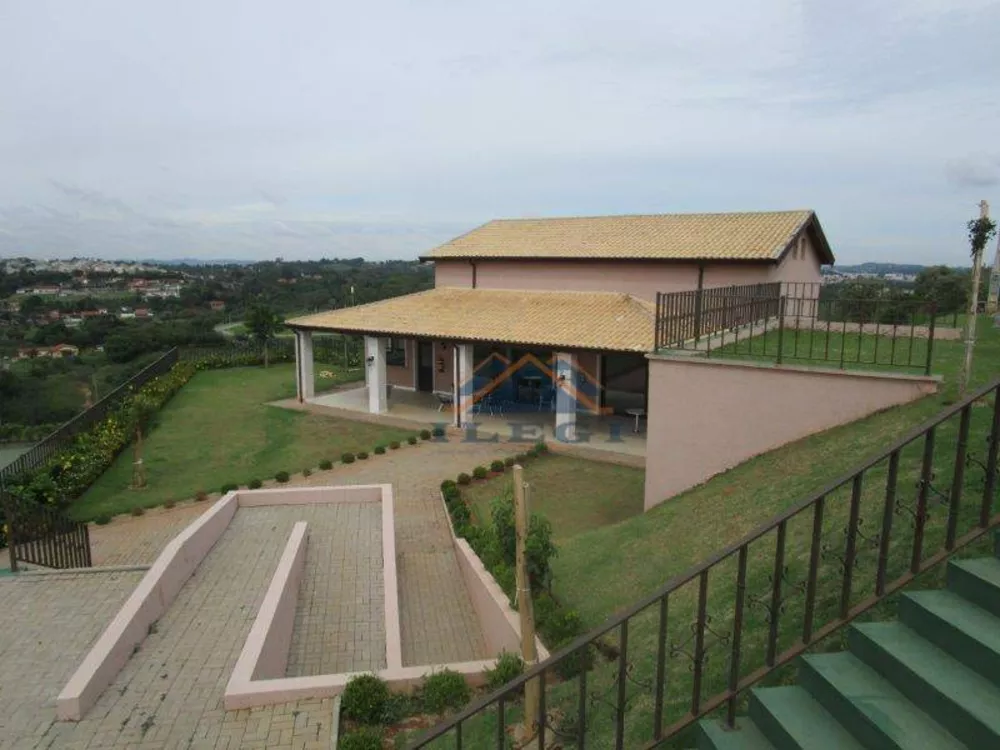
55, 352
217, 305
574, 297
143, 312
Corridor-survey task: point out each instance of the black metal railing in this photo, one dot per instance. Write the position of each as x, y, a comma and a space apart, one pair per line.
42, 451
692, 649
690, 315
800, 325
43, 535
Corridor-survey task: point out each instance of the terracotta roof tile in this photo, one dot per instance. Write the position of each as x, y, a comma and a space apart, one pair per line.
577, 320
726, 236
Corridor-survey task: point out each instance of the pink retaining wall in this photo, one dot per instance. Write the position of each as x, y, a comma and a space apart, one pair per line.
709, 415
500, 624
265, 651
147, 604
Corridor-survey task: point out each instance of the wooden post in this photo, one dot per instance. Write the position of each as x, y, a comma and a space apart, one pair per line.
524, 604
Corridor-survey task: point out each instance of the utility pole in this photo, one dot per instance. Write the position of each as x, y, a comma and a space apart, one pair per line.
970, 323
525, 608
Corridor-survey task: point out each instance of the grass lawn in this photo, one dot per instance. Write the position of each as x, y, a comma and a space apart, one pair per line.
573, 494
219, 429
610, 567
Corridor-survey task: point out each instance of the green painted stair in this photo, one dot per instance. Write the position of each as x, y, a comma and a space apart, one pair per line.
930, 680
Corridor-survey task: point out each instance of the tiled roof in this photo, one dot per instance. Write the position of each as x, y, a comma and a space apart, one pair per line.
759, 236
578, 320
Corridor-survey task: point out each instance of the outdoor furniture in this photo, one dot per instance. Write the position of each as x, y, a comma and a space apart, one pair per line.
638, 414
444, 399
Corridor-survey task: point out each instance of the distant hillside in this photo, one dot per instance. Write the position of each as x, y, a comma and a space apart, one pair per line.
877, 269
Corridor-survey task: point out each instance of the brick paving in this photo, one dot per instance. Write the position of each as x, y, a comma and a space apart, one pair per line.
47, 624
170, 693
340, 614
438, 624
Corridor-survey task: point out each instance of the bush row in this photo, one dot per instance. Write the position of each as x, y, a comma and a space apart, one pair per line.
26, 433
495, 543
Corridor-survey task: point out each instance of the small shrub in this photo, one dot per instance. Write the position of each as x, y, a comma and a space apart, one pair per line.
541, 447
254, 484
282, 477
103, 520
444, 690
380, 449
347, 458
425, 434
364, 699
480, 472
326, 464
497, 467
520, 458
397, 708
509, 461
201, 496
438, 431
448, 485
412, 439
394, 444
464, 478
508, 667
531, 453
460, 516
229, 487
307, 472
137, 510
362, 738
362, 455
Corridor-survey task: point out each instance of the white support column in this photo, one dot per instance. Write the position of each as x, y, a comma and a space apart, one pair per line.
375, 374
305, 373
465, 386
564, 372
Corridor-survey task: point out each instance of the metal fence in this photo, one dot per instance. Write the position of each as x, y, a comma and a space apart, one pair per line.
685, 316
54, 442
341, 351
693, 648
42, 535
799, 324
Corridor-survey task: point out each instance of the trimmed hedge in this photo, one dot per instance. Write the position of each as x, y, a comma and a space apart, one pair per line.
497, 467
379, 449
254, 484
326, 464
282, 477
412, 439
362, 455
347, 458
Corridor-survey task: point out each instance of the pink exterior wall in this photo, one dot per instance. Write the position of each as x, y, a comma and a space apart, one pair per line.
706, 416
799, 268
643, 280
452, 273
147, 604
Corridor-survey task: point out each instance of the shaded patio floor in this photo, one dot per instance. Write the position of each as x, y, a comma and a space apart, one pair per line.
613, 434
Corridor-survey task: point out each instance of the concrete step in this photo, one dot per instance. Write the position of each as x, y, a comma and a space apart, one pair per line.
880, 717
978, 580
960, 699
956, 625
792, 720
714, 735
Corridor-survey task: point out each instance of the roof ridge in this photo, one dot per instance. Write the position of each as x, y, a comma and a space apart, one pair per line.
584, 217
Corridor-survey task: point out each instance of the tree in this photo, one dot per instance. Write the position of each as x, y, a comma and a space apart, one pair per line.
981, 231
263, 324
143, 415
946, 287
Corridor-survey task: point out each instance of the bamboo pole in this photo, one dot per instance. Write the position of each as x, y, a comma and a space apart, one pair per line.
524, 604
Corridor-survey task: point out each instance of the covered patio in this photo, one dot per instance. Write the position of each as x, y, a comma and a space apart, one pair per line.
570, 363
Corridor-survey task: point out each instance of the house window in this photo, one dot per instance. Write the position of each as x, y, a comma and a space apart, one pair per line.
802, 247
395, 353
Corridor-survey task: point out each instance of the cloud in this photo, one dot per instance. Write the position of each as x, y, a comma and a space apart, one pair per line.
974, 172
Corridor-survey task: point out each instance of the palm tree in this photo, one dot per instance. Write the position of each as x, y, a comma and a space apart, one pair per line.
143, 415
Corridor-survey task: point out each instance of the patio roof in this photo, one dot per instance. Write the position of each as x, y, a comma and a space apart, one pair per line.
607, 321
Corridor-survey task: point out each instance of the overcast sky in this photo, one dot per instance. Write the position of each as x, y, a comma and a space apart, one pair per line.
256, 128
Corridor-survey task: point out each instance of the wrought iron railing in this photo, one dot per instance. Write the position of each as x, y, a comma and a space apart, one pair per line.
800, 325
690, 315
42, 535
42, 451
692, 649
